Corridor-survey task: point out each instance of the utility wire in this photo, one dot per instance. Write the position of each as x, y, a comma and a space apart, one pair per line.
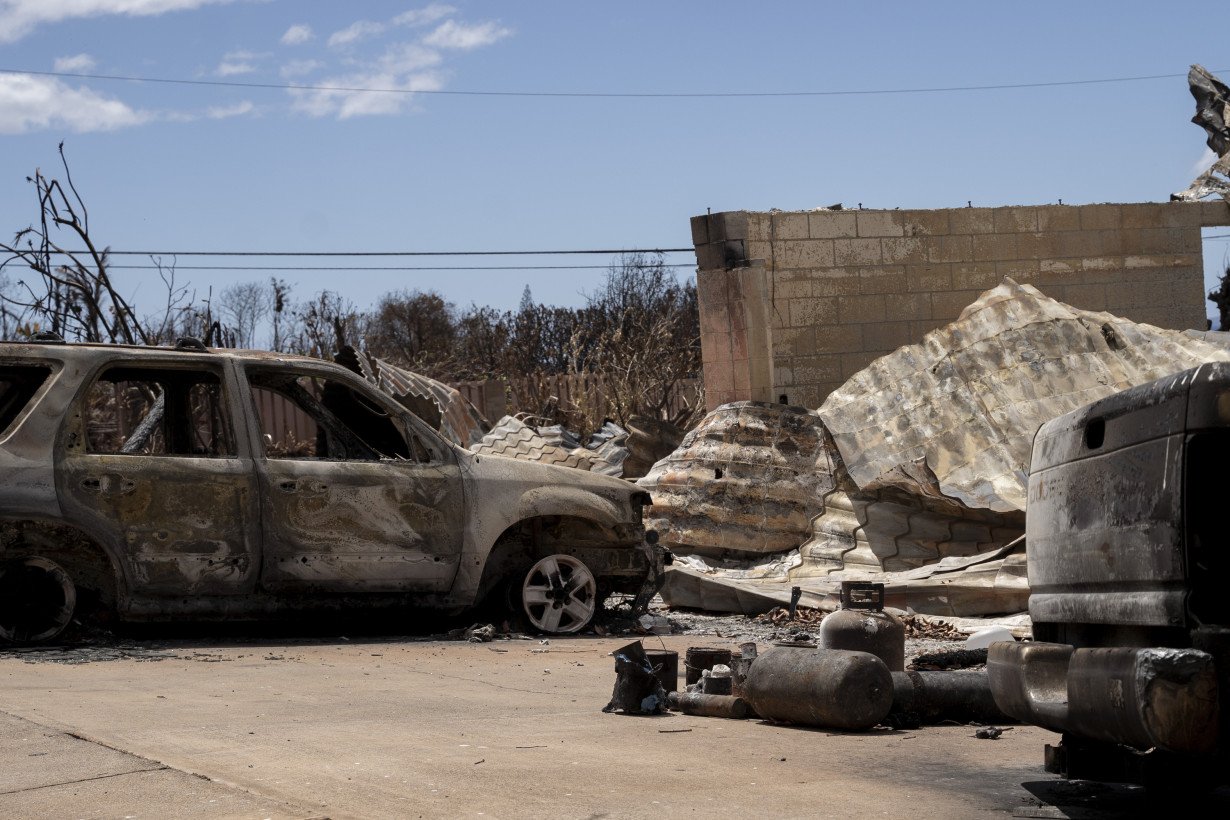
593, 94
384, 268
609, 252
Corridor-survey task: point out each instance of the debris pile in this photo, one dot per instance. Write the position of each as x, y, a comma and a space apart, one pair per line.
611, 450
912, 473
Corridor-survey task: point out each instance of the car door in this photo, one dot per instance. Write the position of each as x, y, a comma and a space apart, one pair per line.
354, 497
151, 464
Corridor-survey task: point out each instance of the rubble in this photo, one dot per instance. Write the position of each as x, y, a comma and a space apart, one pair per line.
912, 473
611, 450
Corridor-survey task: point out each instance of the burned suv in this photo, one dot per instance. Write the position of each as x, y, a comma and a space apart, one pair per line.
195, 483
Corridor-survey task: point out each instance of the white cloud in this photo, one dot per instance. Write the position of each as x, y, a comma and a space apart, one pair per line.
347, 104
298, 68
238, 62
223, 112
75, 63
297, 35
30, 103
423, 16
356, 31
19, 17
451, 34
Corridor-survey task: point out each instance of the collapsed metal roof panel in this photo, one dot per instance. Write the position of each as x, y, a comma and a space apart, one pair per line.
960, 409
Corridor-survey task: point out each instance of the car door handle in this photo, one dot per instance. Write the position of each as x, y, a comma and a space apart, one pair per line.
91, 485
288, 486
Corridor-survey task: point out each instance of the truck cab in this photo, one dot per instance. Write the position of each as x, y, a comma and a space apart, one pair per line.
1128, 557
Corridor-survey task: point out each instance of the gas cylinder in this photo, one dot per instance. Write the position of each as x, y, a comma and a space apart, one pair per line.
863, 625
820, 687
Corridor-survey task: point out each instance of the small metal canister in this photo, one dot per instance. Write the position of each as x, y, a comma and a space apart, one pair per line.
863, 625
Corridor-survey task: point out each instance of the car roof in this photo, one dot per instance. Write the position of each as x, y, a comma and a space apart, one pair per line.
87, 350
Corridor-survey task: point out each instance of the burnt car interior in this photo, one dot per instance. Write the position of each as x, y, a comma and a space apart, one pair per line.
18, 384
161, 412
328, 420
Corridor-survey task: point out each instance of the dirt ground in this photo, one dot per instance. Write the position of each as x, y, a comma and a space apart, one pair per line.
396, 726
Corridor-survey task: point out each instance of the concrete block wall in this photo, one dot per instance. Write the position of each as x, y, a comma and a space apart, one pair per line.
794, 303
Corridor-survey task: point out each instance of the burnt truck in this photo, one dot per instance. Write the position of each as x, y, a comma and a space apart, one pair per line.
186, 482
1128, 533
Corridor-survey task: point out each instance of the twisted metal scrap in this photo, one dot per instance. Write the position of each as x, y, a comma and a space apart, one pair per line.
1213, 115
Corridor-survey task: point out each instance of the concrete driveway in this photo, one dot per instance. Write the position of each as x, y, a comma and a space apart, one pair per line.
412, 728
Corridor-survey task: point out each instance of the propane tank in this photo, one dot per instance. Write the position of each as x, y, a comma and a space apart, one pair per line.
820, 687
862, 624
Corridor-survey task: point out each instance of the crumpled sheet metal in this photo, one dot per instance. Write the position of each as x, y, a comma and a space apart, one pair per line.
1213, 115
954, 417
748, 479
890, 531
512, 437
439, 405
992, 583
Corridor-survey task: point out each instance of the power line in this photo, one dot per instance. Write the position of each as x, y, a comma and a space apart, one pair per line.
380, 268
592, 94
607, 252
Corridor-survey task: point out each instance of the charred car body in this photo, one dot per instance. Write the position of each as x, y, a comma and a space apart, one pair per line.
162, 483
1128, 559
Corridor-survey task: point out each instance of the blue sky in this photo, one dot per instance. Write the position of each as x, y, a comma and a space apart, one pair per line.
187, 167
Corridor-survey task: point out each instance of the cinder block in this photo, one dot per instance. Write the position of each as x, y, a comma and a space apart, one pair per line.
700, 230
1086, 297
818, 369
833, 224
922, 327
949, 305
884, 279
728, 226
1016, 219
1059, 266
1022, 271
971, 220
1078, 243
809, 312
951, 248
790, 225
928, 278
852, 363
721, 255
1053, 218
879, 223
882, 337
907, 306
1094, 263
835, 282
924, 223
1215, 214
975, 275
783, 288
869, 308
856, 252
793, 341
1100, 217
759, 250
1112, 242
1139, 215
904, 250
839, 338
994, 247
759, 226
805, 253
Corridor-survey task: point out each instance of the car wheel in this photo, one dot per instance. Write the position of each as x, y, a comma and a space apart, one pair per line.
559, 595
37, 599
